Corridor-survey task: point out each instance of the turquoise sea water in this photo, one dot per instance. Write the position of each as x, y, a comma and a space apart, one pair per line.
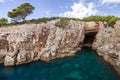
86, 65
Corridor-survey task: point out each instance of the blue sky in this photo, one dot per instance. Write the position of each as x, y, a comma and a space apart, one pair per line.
66, 8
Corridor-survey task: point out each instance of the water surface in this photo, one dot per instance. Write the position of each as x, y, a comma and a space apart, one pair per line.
86, 65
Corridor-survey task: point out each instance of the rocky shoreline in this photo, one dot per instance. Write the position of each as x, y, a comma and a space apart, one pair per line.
107, 45
32, 42
109, 60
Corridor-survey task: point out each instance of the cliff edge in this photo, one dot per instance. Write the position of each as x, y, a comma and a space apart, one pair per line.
107, 44
31, 42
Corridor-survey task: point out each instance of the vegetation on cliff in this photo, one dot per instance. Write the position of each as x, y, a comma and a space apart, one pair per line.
3, 22
109, 19
63, 20
44, 19
62, 23
41, 20
19, 14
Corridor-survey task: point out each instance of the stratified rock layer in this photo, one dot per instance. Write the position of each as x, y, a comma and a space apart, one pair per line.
107, 44
31, 42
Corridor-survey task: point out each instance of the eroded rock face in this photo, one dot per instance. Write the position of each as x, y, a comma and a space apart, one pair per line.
30, 42
107, 44
93, 26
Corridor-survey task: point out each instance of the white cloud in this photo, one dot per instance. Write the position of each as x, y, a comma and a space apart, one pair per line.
110, 1
79, 10
1, 0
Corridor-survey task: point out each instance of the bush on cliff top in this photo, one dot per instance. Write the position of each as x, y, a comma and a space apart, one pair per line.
3, 22
62, 23
40, 20
109, 19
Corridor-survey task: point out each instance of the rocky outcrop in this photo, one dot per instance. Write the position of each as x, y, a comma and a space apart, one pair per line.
93, 27
31, 42
107, 44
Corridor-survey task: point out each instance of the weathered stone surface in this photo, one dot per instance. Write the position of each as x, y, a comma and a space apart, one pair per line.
93, 26
3, 48
107, 44
30, 42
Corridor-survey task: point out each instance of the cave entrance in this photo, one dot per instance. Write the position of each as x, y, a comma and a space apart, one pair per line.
89, 38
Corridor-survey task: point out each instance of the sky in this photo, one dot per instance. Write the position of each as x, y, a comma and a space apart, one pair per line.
64, 8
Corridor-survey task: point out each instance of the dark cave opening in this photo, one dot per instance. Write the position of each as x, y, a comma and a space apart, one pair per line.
89, 38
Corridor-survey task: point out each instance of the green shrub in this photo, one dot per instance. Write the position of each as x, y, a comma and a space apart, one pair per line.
62, 23
44, 20
109, 19
41, 20
3, 21
112, 21
33, 21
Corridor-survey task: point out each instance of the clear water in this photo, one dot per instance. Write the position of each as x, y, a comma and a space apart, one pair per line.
86, 65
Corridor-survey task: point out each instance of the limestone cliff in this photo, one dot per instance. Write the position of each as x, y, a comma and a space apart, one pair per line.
31, 42
107, 44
